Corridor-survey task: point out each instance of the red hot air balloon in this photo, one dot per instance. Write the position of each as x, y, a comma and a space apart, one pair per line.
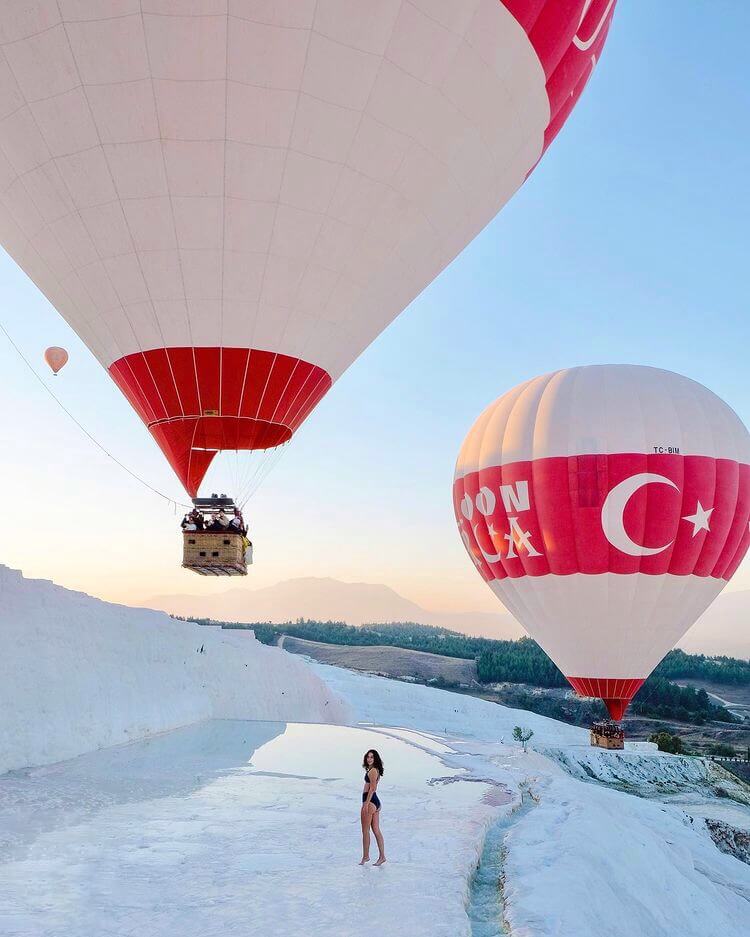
606, 507
228, 203
56, 358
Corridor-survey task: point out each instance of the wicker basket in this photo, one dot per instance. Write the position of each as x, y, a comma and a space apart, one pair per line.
211, 553
606, 741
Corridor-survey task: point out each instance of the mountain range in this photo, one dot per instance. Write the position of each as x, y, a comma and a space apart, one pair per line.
723, 629
324, 599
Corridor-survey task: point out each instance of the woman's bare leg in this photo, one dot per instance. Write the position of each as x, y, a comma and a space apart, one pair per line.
366, 817
378, 837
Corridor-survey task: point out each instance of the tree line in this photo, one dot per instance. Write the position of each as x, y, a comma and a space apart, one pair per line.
728, 670
522, 661
498, 661
661, 699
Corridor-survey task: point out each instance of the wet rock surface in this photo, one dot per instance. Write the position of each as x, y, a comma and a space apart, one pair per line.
729, 839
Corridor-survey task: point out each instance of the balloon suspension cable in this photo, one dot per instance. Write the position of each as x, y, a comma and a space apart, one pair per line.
85, 431
270, 460
246, 470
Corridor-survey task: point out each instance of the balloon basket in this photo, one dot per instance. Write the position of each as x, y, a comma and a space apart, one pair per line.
219, 548
607, 735
213, 554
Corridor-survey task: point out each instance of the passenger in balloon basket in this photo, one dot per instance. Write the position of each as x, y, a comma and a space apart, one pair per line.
237, 523
610, 730
223, 520
193, 521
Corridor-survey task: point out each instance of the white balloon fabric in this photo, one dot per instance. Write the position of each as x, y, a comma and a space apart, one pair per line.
606, 507
229, 199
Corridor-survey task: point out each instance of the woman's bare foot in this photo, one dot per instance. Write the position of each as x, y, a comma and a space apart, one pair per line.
380, 861
364, 859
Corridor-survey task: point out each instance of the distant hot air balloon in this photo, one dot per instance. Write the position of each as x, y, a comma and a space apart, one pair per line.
606, 507
56, 358
228, 207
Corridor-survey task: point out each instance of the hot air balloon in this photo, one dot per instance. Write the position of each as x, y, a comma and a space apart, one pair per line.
606, 507
229, 201
56, 358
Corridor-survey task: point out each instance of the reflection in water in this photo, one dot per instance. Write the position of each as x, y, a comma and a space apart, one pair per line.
423, 739
173, 764
325, 751
246, 827
199, 757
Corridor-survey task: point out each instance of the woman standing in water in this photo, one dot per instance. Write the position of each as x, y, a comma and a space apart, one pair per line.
370, 814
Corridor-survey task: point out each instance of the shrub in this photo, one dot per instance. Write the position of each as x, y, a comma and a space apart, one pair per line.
668, 742
522, 735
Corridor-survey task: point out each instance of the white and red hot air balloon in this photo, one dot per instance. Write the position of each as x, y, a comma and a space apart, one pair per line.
55, 358
229, 199
606, 507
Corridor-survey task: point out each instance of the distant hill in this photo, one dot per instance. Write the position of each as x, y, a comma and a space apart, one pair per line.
723, 629
321, 599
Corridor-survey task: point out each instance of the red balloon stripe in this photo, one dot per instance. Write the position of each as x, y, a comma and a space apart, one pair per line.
568, 36
593, 514
199, 400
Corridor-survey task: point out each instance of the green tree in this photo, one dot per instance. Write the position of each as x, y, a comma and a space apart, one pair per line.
668, 742
522, 735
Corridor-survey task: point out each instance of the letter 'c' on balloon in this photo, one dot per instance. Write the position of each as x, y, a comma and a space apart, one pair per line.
227, 225
622, 510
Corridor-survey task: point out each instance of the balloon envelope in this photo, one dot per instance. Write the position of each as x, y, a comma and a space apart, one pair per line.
606, 507
56, 358
228, 207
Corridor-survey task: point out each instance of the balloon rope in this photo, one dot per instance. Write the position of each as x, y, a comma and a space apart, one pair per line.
269, 461
83, 428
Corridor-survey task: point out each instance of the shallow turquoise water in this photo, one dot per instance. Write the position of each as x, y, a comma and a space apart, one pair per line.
485, 908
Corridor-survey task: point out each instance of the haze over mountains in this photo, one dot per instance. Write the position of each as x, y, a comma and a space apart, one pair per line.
325, 599
723, 629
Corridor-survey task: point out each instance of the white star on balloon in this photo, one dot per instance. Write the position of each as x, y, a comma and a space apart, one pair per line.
699, 520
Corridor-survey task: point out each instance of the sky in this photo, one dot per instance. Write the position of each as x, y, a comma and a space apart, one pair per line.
629, 243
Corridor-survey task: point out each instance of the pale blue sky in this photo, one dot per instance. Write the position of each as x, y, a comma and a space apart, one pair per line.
627, 244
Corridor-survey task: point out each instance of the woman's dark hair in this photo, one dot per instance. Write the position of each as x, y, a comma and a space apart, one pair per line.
377, 761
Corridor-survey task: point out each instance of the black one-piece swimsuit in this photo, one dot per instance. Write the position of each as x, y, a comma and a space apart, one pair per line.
374, 799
